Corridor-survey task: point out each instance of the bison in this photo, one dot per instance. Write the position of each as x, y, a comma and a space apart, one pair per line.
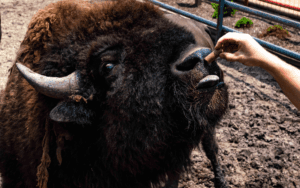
112, 94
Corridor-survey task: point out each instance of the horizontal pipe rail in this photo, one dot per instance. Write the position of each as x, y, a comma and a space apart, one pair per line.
272, 17
227, 29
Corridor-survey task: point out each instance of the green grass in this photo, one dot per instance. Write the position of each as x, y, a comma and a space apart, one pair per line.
278, 26
243, 20
216, 6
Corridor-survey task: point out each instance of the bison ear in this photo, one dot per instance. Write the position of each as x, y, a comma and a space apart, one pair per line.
207, 30
70, 111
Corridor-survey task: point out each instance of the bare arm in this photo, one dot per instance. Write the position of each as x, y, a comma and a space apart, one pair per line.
250, 53
287, 76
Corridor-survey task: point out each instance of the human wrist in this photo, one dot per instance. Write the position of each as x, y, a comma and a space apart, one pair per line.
271, 63
265, 61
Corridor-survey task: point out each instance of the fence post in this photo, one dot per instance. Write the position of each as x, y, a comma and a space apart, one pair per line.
220, 20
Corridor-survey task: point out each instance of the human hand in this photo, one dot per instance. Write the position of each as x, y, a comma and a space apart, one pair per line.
248, 51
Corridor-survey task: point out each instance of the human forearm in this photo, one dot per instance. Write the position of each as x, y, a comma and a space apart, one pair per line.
287, 76
250, 53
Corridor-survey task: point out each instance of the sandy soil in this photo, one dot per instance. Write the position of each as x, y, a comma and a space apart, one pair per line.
259, 135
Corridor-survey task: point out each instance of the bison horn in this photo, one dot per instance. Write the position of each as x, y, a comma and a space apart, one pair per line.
53, 87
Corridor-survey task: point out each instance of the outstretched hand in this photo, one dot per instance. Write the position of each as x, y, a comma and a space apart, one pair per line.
248, 51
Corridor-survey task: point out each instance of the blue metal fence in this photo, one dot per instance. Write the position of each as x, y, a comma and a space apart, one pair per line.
227, 29
220, 20
272, 17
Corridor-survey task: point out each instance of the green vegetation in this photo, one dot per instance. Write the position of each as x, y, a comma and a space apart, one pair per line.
278, 26
216, 7
233, 11
243, 20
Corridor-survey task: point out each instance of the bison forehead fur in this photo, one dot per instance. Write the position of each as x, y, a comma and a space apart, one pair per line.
132, 122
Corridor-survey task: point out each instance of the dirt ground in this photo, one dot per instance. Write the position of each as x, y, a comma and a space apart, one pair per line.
259, 137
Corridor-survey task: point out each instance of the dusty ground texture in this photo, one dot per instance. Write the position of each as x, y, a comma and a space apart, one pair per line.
259, 137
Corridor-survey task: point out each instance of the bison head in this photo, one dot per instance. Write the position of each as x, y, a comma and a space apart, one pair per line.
145, 72
138, 77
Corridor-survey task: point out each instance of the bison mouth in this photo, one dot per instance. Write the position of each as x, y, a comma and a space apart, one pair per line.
210, 83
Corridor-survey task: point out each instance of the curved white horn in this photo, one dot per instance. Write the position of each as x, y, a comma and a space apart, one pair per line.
54, 87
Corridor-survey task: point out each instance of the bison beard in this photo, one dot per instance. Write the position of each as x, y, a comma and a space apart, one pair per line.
138, 111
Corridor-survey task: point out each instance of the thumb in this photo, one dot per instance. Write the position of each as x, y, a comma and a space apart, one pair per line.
228, 56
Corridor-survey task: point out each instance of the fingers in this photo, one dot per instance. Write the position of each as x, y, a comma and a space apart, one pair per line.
232, 37
223, 42
228, 37
240, 47
229, 56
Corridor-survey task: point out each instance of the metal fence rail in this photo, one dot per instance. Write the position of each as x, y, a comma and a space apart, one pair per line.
272, 17
268, 45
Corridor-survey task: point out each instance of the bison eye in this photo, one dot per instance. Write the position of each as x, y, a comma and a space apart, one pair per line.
109, 66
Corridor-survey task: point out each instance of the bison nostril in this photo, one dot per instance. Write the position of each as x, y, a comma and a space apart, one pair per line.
208, 81
187, 64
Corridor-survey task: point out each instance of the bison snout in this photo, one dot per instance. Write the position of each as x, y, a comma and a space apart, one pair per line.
193, 67
210, 81
190, 60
